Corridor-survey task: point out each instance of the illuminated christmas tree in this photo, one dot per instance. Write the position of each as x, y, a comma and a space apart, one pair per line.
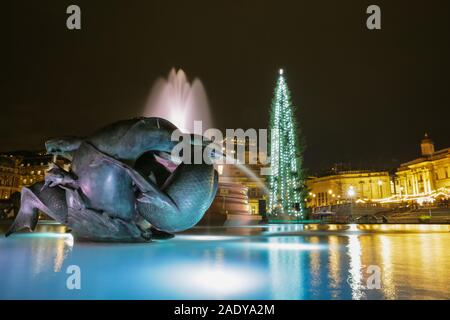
286, 179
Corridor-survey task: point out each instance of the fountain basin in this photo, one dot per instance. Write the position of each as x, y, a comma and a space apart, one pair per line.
255, 262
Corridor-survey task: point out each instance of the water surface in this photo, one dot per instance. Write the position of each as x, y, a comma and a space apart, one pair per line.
270, 262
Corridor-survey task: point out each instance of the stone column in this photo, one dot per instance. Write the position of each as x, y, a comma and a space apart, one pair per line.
431, 176
417, 183
413, 183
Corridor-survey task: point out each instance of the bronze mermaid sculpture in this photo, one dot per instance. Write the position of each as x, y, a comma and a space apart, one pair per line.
117, 188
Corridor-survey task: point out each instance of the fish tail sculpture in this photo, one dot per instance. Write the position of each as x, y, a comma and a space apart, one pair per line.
116, 189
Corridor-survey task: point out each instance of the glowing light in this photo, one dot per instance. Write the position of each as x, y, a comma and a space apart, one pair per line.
205, 238
285, 180
355, 271
217, 280
351, 192
66, 236
287, 246
420, 199
180, 101
213, 279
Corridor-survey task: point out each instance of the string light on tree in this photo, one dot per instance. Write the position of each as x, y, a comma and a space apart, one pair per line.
286, 180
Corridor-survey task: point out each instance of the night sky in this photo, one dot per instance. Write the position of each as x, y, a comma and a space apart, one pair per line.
365, 97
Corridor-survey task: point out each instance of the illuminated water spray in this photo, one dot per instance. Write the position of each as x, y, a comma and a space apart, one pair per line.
182, 102
179, 101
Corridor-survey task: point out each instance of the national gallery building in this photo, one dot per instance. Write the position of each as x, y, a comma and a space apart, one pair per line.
422, 180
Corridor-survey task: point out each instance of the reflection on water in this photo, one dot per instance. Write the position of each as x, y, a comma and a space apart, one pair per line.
355, 267
284, 269
264, 262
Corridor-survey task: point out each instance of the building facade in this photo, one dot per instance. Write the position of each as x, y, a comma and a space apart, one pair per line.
10, 177
19, 169
426, 175
347, 186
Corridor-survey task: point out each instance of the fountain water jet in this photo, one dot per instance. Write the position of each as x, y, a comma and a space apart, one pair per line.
248, 172
179, 101
182, 103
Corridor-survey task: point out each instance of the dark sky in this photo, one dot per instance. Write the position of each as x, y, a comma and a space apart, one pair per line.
362, 96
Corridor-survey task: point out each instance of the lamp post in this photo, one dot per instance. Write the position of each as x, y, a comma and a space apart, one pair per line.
380, 188
351, 194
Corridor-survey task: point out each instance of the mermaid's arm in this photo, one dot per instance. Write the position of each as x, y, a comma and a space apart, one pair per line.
57, 176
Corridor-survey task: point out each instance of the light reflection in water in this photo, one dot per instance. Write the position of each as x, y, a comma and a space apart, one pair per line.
334, 276
215, 281
285, 269
315, 265
355, 269
205, 238
386, 258
273, 262
285, 243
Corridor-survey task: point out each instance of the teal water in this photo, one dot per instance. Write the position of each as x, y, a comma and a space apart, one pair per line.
270, 262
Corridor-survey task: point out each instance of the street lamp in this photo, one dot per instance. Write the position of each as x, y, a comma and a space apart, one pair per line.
380, 188
351, 193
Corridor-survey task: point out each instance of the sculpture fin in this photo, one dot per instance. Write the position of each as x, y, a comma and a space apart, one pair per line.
160, 235
27, 217
34, 198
